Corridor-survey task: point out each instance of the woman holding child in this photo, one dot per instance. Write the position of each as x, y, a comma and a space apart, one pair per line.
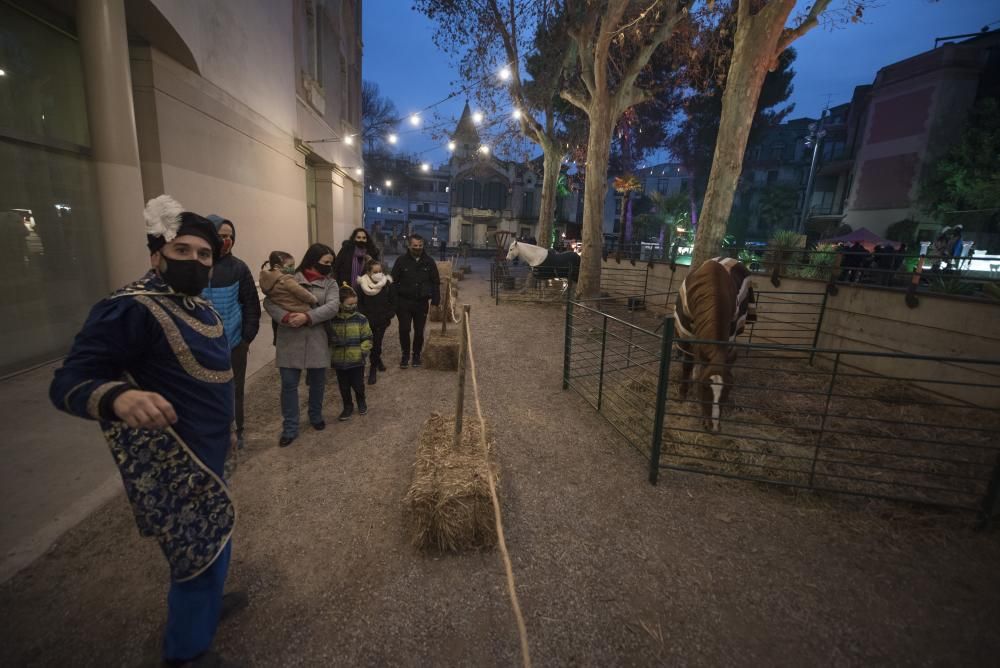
301, 340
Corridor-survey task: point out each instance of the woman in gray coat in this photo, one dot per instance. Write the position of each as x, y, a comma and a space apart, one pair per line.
302, 341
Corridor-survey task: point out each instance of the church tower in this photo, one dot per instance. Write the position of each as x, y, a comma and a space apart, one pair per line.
466, 137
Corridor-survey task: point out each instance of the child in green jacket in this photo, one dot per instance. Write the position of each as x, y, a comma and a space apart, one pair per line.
350, 343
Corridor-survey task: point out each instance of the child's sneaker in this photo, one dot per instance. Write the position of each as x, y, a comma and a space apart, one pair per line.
346, 414
362, 408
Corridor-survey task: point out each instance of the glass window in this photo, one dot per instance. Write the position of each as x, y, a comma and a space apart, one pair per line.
51, 255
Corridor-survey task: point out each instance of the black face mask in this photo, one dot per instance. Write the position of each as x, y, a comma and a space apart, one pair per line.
188, 277
362, 243
416, 252
324, 269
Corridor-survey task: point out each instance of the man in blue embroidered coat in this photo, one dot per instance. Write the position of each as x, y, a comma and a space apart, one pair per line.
233, 293
152, 365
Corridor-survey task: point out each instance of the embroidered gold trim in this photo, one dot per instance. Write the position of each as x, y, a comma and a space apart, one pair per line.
210, 331
180, 347
225, 486
94, 401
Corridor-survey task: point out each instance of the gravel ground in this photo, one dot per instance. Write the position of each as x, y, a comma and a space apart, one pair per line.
610, 570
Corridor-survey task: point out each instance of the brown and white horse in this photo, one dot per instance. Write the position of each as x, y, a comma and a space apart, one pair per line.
711, 305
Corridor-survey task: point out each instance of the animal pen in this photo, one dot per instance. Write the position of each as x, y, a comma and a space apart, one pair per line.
915, 428
516, 283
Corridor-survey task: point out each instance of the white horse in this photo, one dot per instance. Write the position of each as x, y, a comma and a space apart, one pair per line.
547, 264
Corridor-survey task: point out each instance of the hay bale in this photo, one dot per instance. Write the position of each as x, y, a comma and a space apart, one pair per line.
441, 350
448, 504
458, 274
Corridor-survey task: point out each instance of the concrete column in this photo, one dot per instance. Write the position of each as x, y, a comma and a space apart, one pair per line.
111, 115
326, 205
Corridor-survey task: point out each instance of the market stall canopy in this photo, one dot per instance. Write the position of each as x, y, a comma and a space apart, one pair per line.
865, 237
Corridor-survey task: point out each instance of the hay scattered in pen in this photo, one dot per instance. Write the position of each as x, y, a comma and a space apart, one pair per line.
773, 434
448, 504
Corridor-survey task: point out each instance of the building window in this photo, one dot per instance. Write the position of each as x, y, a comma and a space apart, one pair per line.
527, 204
51, 256
314, 41
777, 152
495, 196
684, 185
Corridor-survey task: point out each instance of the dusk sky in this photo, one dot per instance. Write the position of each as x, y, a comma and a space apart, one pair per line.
400, 56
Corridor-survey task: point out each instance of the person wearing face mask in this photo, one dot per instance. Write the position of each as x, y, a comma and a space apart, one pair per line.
377, 302
152, 366
350, 344
302, 341
356, 251
234, 295
417, 282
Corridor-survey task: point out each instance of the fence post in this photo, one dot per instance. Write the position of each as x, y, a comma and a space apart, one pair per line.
911, 292
600, 376
822, 424
990, 500
819, 326
662, 387
462, 352
831, 284
445, 303
567, 343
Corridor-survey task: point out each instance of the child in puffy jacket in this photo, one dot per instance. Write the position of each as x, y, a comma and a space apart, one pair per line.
277, 282
350, 344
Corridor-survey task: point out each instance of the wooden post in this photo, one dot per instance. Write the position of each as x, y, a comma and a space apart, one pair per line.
444, 305
462, 352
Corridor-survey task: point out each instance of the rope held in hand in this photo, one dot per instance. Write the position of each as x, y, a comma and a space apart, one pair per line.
511, 586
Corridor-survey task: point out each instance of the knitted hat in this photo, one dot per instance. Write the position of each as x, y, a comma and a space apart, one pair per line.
166, 220
346, 292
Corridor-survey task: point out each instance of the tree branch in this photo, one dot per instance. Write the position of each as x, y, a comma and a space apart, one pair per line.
576, 101
789, 35
661, 35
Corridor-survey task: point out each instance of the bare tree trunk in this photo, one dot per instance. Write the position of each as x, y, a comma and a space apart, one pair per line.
755, 50
551, 167
594, 194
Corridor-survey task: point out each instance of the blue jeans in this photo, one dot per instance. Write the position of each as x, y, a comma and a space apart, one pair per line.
316, 380
193, 609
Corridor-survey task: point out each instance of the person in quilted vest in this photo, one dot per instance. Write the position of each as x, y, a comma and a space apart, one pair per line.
234, 295
350, 344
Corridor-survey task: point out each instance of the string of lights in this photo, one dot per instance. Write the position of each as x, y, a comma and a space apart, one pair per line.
415, 119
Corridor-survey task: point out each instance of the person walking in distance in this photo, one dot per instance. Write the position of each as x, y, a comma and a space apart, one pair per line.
232, 292
152, 365
377, 302
417, 283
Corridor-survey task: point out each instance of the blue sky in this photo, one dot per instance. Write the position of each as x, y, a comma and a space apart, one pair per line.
400, 56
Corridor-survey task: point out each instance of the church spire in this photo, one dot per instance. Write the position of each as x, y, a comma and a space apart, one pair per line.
465, 135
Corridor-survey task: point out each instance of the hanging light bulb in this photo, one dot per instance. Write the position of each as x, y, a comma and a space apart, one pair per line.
517, 114
484, 149
349, 140
425, 167
357, 171
504, 73
451, 146
477, 117
388, 183
393, 139
415, 120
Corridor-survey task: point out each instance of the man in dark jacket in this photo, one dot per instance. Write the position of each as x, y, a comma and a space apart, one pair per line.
233, 293
417, 282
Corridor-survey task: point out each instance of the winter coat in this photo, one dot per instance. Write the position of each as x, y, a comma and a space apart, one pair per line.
285, 291
417, 279
342, 263
350, 340
379, 307
306, 347
233, 294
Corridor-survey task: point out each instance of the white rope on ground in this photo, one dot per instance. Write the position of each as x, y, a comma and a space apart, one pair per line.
501, 541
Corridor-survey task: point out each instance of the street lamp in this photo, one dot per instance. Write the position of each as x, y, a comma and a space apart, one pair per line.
814, 139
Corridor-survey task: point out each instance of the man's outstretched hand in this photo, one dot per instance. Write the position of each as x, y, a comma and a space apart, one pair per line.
144, 410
